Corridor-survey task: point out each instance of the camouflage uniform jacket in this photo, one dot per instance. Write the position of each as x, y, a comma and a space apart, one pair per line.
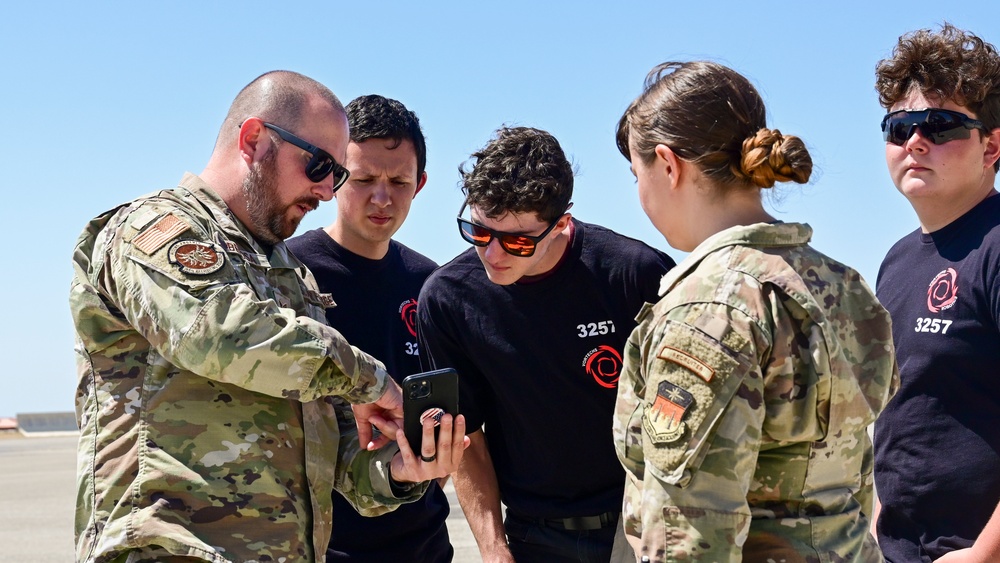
206, 383
744, 401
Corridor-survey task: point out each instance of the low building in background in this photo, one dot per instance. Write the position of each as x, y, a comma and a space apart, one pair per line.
46, 423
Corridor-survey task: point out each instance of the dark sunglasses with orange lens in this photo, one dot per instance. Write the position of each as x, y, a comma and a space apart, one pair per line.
937, 125
513, 243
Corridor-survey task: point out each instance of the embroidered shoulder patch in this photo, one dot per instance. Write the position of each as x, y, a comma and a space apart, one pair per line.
700, 368
160, 233
196, 257
662, 419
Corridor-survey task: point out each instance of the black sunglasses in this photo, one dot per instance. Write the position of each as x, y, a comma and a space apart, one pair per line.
938, 125
513, 243
320, 165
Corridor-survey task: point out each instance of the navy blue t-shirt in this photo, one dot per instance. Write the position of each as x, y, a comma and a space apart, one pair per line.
937, 444
539, 363
376, 312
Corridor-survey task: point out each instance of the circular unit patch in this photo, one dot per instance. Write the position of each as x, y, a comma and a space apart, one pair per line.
196, 257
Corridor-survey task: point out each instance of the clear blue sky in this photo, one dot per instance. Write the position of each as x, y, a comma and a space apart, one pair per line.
105, 102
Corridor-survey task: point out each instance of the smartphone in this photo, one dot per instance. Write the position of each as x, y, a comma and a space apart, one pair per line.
428, 394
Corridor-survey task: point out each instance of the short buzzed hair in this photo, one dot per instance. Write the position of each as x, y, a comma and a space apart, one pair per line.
278, 96
378, 117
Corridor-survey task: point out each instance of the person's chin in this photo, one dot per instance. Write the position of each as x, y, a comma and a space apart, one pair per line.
501, 278
916, 188
289, 228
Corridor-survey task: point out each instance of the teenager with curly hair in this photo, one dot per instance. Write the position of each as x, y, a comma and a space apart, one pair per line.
937, 460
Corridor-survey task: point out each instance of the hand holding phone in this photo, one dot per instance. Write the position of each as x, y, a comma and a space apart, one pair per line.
428, 394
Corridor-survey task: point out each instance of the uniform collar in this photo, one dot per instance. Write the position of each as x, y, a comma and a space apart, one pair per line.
277, 256
758, 235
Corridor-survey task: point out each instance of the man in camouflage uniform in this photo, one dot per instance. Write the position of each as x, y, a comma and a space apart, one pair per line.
742, 411
211, 391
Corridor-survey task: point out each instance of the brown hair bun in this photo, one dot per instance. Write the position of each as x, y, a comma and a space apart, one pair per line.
769, 157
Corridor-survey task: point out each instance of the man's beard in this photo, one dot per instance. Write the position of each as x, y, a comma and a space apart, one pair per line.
267, 217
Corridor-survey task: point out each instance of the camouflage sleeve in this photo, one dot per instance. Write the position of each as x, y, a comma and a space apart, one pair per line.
214, 322
363, 477
701, 432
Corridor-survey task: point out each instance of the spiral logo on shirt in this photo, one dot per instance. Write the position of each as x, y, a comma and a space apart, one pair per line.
604, 364
943, 291
408, 312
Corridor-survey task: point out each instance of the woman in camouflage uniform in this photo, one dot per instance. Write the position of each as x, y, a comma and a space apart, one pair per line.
748, 388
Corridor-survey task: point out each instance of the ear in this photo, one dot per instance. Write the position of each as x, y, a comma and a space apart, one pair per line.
992, 151
420, 183
252, 141
670, 164
563, 222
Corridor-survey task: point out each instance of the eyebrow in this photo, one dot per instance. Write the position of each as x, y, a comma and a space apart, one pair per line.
526, 232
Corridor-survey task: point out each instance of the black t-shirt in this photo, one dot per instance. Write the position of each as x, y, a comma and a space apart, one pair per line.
937, 444
376, 312
539, 363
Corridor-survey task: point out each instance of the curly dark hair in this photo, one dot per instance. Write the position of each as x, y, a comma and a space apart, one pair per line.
951, 64
711, 115
378, 117
521, 170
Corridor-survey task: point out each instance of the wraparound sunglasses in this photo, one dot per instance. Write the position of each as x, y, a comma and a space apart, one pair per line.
938, 125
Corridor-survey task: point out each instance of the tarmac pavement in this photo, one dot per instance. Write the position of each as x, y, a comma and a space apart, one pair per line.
38, 498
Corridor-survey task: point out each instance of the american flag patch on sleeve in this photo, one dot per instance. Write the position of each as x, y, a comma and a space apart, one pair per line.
160, 233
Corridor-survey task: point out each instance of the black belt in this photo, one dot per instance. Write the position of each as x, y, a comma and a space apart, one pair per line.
575, 523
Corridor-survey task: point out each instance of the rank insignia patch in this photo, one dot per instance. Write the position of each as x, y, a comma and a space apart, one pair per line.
196, 257
662, 419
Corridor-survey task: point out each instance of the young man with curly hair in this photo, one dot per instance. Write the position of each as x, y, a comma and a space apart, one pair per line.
937, 464
535, 318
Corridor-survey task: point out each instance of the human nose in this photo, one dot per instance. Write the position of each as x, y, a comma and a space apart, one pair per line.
323, 190
915, 140
380, 194
494, 249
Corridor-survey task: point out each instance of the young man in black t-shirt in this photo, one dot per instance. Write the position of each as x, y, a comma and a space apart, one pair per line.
375, 282
535, 318
937, 444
